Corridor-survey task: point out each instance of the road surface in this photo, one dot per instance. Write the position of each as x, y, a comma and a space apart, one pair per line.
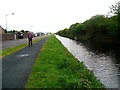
11, 43
17, 66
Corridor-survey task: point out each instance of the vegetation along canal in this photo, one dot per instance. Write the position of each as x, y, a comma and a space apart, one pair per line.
105, 65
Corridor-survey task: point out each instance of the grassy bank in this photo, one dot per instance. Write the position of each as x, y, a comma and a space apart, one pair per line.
16, 48
55, 67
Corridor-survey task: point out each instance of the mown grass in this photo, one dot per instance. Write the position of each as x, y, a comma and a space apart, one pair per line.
16, 48
55, 67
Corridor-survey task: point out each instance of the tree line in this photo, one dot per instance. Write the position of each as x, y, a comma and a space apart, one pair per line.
16, 31
99, 27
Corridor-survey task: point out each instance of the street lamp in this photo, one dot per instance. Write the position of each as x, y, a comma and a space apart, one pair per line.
6, 18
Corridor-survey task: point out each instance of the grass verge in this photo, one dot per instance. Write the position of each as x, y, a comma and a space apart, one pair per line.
16, 48
55, 67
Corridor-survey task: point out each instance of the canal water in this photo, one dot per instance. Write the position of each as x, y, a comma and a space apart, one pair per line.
105, 65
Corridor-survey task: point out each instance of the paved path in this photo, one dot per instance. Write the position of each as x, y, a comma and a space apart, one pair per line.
11, 43
17, 66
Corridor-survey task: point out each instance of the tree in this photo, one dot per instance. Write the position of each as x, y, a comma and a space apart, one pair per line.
5, 30
26, 31
22, 31
115, 9
14, 31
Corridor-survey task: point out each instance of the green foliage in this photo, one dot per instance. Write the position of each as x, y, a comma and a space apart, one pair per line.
99, 28
115, 9
12, 31
55, 67
16, 31
22, 31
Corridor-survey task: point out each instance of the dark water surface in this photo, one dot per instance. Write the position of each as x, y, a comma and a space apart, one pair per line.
103, 60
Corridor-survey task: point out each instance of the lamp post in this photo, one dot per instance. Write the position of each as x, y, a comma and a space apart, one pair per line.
6, 18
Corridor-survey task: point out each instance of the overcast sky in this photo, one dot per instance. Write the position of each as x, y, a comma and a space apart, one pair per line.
49, 15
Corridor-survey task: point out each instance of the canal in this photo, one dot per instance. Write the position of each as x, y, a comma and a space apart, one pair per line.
104, 62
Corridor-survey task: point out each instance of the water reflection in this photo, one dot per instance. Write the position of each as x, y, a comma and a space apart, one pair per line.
101, 64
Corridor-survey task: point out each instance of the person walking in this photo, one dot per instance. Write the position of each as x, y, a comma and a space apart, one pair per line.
30, 36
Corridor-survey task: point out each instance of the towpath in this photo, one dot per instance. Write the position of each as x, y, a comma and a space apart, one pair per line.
17, 66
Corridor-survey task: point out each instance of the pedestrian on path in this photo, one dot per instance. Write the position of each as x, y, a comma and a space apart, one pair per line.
30, 36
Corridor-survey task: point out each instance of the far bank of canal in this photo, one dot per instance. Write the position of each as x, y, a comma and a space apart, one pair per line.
104, 66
